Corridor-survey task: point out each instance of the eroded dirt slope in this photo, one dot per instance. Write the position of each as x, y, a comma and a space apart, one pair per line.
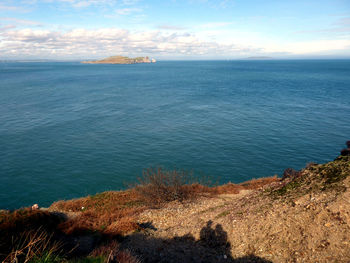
303, 219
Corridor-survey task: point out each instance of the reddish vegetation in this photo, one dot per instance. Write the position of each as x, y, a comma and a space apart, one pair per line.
113, 253
26, 220
26, 231
91, 225
249, 185
158, 186
114, 213
110, 214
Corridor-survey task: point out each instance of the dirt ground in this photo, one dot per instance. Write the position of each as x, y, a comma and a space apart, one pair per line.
304, 217
248, 227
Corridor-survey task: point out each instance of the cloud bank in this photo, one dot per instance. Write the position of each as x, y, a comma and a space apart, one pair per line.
83, 43
107, 41
100, 28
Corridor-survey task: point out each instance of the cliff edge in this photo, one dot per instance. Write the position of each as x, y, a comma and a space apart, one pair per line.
302, 217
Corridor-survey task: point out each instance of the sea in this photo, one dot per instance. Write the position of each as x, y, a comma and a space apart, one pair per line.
69, 130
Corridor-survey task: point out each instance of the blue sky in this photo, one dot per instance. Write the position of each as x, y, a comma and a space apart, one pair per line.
174, 29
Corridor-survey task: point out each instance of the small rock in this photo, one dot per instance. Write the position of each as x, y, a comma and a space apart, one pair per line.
327, 224
298, 202
35, 207
324, 243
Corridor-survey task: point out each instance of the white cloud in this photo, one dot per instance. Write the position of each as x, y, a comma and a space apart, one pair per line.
87, 3
12, 8
214, 25
8, 8
170, 27
214, 3
127, 11
83, 43
130, 2
108, 41
7, 27
74, 3
22, 22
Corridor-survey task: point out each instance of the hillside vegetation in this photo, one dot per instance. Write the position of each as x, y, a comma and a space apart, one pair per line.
170, 217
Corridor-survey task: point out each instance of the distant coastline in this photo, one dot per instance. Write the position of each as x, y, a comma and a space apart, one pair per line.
121, 60
259, 58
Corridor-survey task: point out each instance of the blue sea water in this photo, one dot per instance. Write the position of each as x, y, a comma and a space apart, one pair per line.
69, 129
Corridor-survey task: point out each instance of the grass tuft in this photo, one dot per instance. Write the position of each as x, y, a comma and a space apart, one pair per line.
33, 246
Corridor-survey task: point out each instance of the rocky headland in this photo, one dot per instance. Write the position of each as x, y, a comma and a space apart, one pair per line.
302, 216
121, 60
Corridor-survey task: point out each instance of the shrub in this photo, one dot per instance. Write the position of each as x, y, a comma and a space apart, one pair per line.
158, 186
290, 173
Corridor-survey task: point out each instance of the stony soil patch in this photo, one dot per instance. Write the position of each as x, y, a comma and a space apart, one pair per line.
313, 227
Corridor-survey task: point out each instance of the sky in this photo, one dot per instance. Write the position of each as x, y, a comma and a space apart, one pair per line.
174, 29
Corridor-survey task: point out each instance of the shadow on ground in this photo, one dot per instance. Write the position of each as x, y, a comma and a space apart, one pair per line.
212, 246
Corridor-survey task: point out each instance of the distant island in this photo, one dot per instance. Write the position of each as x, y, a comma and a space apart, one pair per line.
121, 60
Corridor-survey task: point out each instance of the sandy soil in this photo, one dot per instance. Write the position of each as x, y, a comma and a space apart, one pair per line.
251, 226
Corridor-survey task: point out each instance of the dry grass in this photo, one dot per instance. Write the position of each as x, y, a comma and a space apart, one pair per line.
35, 236
27, 234
158, 186
110, 213
24, 230
30, 245
26, 219
115, 213
112, 253
253, 184
260, 182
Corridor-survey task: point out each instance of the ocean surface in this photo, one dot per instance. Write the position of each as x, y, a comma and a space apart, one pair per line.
69, 129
